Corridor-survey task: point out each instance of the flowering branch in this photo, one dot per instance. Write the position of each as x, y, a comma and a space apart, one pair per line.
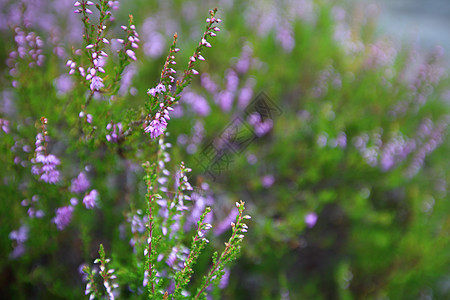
155, 122
229, 254
183, 276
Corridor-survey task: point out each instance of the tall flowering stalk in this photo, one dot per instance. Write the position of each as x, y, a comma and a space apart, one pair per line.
95, 42
45, 164
108, 276
165, 95
229, 254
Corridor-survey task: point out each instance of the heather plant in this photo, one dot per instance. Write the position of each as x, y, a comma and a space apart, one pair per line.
348, 169
333, 134
73, 177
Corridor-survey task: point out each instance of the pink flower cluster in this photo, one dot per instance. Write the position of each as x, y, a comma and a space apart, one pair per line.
4, 125
158, 125
132, 40
45, 165
115, 132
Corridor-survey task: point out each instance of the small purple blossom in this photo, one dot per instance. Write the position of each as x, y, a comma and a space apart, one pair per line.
80, 184
45, 165
311, 219
198, 103
156, 128
115, 132
268, 180
131, 54
156, 90
223, 283
19, 236
96, 83
90, 200
63, 217
4, 124
225, 223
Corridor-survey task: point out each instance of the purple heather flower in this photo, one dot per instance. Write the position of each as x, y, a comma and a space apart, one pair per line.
342, 140
244, 61
4, 124
311, 219
225, 99
47, 170
20, 236
152, 92
225, 223
80, 184
268, 180
225, 279
154, 45
96, 83
286, 38
208, 83
156, 127
63, 84
90, 200
73, 201
245, 94
198, 103
131, 54
113, 137
172, 257
160, 88
63, 217
205, 43
252, 159
261, 127
322, 140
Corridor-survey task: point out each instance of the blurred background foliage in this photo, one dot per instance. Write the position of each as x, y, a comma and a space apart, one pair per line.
358, 141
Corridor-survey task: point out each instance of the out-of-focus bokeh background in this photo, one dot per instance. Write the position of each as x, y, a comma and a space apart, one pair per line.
331, 118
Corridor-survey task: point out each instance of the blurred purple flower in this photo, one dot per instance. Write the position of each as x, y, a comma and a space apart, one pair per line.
268, 180
225, 279
225, 223
198, 103
225, 99
96, 83
4, 124
311, 219
208, 83
19, 236
63, 84
156, 128
63, 217
80, 184
115, 132
90, 200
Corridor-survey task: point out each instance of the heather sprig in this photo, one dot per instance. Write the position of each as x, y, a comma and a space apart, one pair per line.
229, 254
199, 242
211, 30
126, 53
44, 165
95, 41
108, 276
28, 53
169, 264
94, 38
163, 97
